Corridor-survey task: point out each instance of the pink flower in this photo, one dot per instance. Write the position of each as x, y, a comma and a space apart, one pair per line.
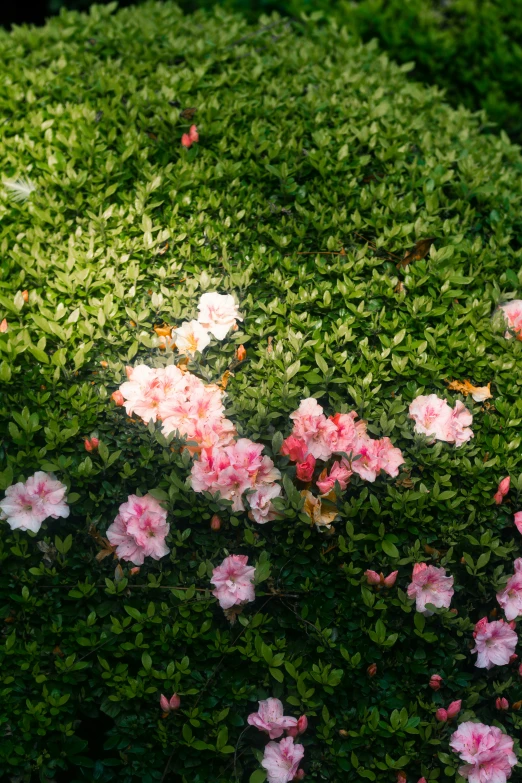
373, 577
430, 585
294, 448
191, 338
487, 751
139, 530
435, 682
441, 715
27, 505
518, 521
503, 489
434, 417
117, 397
510, 598
379, 579
270, 718
281, 760
495, 642
215, 523
305, 470
218, 314
454, 708
368, 465
389, 457
347, 431
188, 139
3, 326
422, 780
261, 507
460, 422
338, 472
233, 581
300, 728
513, 315
312, 426
167, 705
502, 703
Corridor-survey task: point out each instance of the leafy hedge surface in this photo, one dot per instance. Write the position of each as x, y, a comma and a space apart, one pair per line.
308, 143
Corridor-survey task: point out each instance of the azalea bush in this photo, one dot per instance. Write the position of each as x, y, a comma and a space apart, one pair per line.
261, 367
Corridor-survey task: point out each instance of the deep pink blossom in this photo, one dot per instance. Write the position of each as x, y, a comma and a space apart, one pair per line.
139, 530
305, 470
495, 642
452, 711
299, 728
435, 682
430, 585
270, 718
281, 760
294, 448
510, 598
233, 581
339, 472
503, 489
27, 504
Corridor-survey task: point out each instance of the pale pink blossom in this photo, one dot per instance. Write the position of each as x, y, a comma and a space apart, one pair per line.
389, 457
487, 751
218, 314
435, 682
502, 703
512, 312
502, 490
27, 505
430, 585
495, 642
281, 760
510, 598
139, 530
339, 472
460, 422
168, 705
367, 465
312, 426
434, 417
233, 580
305, 470
261, 507
294, 448
269, 718
191, 338
346, 431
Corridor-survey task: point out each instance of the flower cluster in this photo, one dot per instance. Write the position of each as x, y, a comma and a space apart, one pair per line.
233, 581
512, 312
281, 759
235, 469
181, 401
139, 530
436, 419
487, 752
27, 504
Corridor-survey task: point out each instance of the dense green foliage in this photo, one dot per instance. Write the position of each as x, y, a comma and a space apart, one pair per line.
471, 49
308, 142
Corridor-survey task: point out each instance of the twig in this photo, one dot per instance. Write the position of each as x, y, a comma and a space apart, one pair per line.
374, 247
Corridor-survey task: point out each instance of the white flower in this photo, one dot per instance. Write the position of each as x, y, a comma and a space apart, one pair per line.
191, 337
218, 313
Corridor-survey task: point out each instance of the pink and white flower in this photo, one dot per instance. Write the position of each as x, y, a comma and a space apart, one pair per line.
261, 507
269, 718
495, 643
430, 585
488, 752
512, 312
218, 314
436, 419
191, 338
27, 505
510, 598
233, 581
281, 760
139, 530
339, 472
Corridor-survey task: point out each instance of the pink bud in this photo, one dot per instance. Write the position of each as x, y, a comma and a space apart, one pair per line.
95, 443
422, 780
305, 470
503, 489
371, 671
401, 777
302, 724
441, 715
215, 522
87, 444
390, 579
134, 571
3, 326
518, 521
118, 397
372, 577
174, 702
193, 133
502, 704
454, 708
435, 682
186, 141
164, 703
299, 775
513, 658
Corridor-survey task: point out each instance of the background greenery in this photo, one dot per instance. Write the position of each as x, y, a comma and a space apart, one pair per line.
309, 141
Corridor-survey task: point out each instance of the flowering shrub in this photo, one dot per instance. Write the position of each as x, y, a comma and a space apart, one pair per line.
217, 501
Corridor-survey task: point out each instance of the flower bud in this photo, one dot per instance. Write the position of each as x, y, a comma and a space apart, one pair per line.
441, 715
422, 780
241, 353
343, 733
25, 295
299, 728
117, 397
215, 522
389, 580
87, 444
502, 703
401, 776
372, 577
174, 702
164, 703
454, 708
134, 571
305, 470
435, 682
3, 326
95, 443
371, 671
